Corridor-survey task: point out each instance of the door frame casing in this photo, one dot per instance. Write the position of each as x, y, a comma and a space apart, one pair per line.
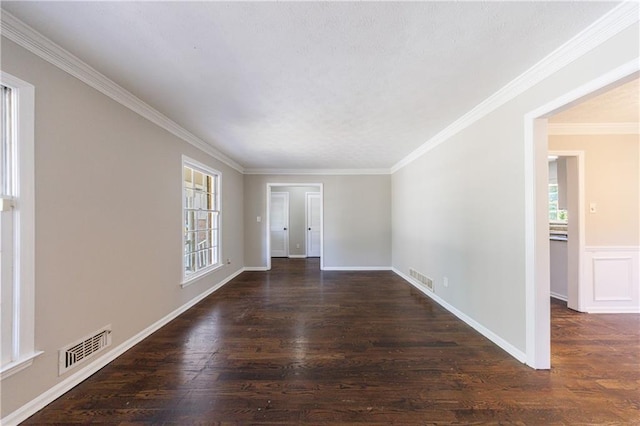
536, 171
267, 226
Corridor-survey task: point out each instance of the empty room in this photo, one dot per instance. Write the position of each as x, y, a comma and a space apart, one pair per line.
320, 212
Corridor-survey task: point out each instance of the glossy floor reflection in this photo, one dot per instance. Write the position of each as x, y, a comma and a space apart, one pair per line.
296, 345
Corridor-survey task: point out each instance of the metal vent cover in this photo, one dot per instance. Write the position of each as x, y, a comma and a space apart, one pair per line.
83, 349
428, 282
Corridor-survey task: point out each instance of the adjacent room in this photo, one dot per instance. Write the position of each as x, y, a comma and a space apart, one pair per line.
320, 212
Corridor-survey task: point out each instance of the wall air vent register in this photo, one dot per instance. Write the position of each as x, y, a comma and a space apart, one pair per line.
84, 349
423, 279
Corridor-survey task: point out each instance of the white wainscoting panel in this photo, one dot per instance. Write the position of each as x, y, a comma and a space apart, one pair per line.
612, 282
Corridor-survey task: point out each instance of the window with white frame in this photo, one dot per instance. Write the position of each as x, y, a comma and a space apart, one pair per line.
7, 187
17, 216
201, 219
556, 214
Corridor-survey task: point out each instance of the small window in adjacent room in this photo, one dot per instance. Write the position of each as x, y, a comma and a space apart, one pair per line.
201, 219
556, 215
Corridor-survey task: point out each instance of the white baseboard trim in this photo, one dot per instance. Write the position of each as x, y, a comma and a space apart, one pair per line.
503, 344
75, 379
357, 268
255, 268
559, 296
297, 256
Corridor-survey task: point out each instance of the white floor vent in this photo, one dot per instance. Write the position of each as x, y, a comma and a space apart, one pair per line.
83, 349
428, 282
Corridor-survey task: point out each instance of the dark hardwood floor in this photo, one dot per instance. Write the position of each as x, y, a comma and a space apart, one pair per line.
296, 345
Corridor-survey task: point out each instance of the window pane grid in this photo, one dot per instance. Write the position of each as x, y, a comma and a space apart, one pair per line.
202, 215
200, 250
200, 200
201, 210
200, 240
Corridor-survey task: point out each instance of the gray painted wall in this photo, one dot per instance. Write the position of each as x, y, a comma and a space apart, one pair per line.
108, 213
458, 211
558, 267
108, 219
357, 218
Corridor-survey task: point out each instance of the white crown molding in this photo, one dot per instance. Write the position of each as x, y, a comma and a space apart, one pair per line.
593, 128
610, 24
25, 36
317, 171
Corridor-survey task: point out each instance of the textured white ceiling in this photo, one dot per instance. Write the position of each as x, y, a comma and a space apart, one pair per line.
311, 85
618, 105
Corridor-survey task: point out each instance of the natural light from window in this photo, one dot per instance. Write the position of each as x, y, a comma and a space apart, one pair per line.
201, 211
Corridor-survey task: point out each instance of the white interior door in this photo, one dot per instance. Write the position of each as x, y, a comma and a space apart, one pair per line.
313, 224
279, 224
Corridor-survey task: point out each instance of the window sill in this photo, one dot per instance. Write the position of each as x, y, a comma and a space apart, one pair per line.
194, 277
16, 366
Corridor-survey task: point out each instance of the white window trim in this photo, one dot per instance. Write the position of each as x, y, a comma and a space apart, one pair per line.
24, 223
190, 162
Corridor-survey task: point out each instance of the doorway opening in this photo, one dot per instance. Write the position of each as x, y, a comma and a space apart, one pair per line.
537, 251
294, 216
566, 226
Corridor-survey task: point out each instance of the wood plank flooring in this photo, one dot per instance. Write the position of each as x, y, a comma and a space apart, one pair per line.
296, 345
